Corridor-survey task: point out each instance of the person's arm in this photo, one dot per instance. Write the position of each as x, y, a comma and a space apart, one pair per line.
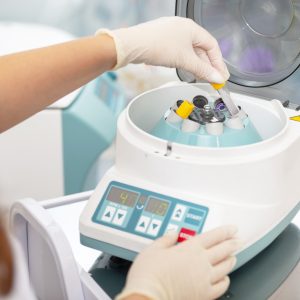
32, 80
137, 297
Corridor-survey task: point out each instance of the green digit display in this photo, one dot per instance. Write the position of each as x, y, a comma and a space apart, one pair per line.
157, 206
123, 197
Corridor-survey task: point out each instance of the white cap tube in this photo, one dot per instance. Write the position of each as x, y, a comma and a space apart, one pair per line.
189, 126
173, 117
214, 128
235, 123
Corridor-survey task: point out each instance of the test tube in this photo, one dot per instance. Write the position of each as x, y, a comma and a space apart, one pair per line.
234, 122
189, 125
220, 105
214, 127
171, 115
181, 113
192, 123
177, 104
225, 95
200, 101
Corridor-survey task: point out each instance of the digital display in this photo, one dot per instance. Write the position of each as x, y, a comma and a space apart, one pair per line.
123, 197
157, 206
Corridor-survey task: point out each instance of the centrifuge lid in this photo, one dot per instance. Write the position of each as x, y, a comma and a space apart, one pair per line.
259, 39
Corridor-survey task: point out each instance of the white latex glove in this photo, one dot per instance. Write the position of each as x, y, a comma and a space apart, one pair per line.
171, 42
194, 269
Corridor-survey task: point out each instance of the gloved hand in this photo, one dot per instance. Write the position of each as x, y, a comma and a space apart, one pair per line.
194, 269
171, 42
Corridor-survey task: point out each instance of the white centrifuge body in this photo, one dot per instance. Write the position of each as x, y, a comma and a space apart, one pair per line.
252, 186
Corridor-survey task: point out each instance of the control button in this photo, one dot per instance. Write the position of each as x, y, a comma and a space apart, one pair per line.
108, 214
178, 212
185, 234
120, 217
154, 227
142, 224
172, 227
194, 216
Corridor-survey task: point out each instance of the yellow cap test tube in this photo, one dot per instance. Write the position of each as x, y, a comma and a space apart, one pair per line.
185, 109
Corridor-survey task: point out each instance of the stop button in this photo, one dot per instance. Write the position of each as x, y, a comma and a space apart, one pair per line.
185, 234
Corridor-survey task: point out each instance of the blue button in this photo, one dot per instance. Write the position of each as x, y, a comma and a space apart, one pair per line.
194, 217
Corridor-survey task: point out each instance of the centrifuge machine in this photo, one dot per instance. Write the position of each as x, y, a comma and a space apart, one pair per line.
158, 184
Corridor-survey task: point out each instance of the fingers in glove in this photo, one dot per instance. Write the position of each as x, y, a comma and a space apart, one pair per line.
202, 55
166, 241
222, 269
201, 69
203, 39
211, 46
216, 59
216, 236
222, 251
225, 71
220, 288
220, 67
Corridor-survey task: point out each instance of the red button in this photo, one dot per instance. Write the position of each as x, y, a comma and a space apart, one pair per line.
185, 234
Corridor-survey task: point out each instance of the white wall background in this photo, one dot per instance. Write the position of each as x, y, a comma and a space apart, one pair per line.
83, 17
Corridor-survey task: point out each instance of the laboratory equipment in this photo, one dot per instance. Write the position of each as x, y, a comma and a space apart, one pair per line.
56, 151
51, 238
154, 184
225, 95
158, 185
204, 125
259, 41
200, 101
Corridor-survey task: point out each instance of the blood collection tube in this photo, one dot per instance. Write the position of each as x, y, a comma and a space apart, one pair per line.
200, 101
235, 122
170, 114
179, 102
181, 113
192, 123
225, 95
220, 105
214, 127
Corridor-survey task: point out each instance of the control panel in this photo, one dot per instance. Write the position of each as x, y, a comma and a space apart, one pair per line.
146, 213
